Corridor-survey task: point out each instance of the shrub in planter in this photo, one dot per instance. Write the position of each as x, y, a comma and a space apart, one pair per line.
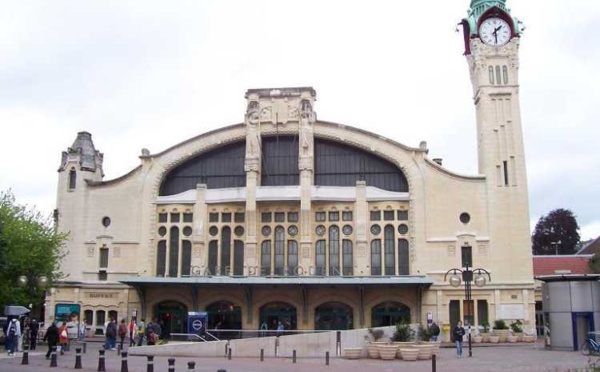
403, 333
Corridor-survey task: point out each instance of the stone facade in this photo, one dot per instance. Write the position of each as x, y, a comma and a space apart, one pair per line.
119, 229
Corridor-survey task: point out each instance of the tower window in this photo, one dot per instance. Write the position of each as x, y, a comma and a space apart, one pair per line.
498, 75
72, 179
505, 74
103, 258
505, 163
491, 70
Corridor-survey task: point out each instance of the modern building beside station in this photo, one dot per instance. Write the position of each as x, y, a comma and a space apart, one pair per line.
318, 225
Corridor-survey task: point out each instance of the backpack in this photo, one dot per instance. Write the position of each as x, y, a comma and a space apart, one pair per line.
12, 329
122, 330
110, 330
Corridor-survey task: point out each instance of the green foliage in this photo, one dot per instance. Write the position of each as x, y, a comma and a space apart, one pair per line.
500, 324
29, 246
423, 334
516, 326
403, 333
556, 233
375, 334
486, 326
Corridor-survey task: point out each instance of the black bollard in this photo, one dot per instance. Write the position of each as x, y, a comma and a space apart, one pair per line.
191, 366
84, 347
294, 356
433, 363
124, 362
222, 370
171, 364
53, 357
327, 358
119, 349
101, 365
262, 355
229, 353
77, 358
150, 366
25, 359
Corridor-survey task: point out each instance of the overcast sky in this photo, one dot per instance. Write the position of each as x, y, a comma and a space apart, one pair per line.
151, 74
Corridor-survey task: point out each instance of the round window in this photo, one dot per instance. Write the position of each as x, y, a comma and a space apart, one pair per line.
402, 229
213, 230
106, 221
293, 230
320, 230
465, 218
238, 231
347, 230
162, 231
187, 231
266, 230
375, 229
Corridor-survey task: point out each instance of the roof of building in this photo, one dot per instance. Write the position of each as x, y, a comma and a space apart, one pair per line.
561, 264
591, 247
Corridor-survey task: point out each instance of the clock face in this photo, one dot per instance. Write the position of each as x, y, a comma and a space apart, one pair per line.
494, 31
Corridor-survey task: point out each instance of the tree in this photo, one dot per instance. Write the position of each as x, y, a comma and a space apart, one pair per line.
556, 233
29, 246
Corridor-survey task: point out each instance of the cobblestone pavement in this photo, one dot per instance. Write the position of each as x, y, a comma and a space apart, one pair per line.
520, 357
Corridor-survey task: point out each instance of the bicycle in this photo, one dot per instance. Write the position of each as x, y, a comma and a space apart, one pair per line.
590, 346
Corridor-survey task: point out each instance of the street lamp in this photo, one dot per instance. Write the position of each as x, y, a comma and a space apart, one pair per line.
30, 282
468, 275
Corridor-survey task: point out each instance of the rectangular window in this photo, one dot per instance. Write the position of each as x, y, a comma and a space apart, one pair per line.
188, 217
376, 257
279, 216
103, 258
388, 215
292, 261
375, 215
469, 313
102, 276
320, 257
265, 217
213, 257
334, 216
238, 257
161, 258
402, 215
292, 216
482, 312
88, 316
505, 164
162, 217
100, 317
213, 217
347, 257
173, 251
320, 216
347, 216
225, 217
239, 217
466, 256
186, 258
265, 258
175, 217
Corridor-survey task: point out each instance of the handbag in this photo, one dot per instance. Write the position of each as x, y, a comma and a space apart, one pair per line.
64, 333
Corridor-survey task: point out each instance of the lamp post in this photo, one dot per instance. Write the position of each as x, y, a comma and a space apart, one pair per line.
556, 245
468, 276
31, 282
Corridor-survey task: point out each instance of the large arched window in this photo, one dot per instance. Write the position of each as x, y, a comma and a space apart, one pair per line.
333, 316
279, 253
389, 313
280, 161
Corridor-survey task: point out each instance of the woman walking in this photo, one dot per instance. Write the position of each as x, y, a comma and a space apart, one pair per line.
458, 334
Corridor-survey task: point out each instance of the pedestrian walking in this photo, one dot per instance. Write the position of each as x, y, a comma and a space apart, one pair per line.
51, 336
457, 335
63, 338
141, 331
13, 332
122, 332
132, 329
34, 328
434, 332
111, 335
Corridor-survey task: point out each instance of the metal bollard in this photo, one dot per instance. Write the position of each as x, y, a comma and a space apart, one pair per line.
191, 366
25, 359
101, 365
53, 357
119, 349
150, 366
222, 370
433, 363
77, 358
294, 356
229, 353
262, 355
124, 362
171, 364
327, 358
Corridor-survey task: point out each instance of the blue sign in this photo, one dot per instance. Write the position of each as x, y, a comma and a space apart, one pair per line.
197, 322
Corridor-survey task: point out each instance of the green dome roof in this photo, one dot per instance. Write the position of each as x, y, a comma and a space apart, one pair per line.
478, 7
489, 3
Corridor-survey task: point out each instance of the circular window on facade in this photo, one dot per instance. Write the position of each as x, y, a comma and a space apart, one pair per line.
403, 229
375, 229
320, 230
187, 231
465, 218
162, 231
213, 230
347, 230
266, 231
238, 231
293, 230
106, 221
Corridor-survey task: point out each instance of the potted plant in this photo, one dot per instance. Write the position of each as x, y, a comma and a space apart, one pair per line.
485, 331
403, 337
501, 329
374, 337
517, 329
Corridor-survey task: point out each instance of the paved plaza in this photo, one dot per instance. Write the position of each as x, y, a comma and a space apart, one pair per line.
521, 357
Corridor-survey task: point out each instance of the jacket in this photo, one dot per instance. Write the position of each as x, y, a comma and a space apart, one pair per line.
51, 335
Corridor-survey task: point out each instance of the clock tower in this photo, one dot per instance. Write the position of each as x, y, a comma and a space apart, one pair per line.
492, 38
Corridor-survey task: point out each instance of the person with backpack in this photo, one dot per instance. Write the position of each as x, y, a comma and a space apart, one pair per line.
141, 331
122, 332
434, 331
111, 335
13, 332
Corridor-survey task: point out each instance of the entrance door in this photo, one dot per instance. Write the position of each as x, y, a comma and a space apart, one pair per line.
389, 314
454, 313
278, 312
582, 324
172, 316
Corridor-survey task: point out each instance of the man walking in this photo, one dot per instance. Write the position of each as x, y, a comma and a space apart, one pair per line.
13, 332
51, 336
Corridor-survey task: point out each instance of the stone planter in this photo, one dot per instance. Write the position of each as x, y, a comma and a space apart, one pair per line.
494, 339
387, 352
512, 338
485, 337
352, 352
372, 350
425, 351
478, 339
519, 336
402, 345
502, 333
409, 354
529, 338
435, 347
